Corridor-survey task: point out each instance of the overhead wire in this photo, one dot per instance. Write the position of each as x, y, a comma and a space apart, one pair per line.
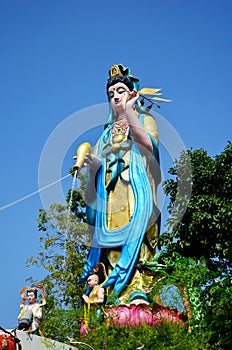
33, 193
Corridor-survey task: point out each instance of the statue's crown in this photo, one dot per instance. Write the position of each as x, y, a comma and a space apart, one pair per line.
119, 69
116, 70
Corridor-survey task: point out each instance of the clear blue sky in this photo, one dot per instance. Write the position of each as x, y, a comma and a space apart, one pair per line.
54, 61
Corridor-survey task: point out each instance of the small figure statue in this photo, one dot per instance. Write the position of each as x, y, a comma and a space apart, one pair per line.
97, 293
31, 315
95, 299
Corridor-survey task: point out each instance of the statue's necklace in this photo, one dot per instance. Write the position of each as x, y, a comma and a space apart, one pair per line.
120, 127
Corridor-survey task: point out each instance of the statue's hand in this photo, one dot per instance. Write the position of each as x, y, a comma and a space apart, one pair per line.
85, 297
93, 161
130, 99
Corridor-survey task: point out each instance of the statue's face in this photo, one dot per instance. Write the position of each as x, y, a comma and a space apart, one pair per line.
31, 298
118, 94
92, 281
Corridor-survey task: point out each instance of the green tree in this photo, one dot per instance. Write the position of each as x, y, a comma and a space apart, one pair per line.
205, 228
202, 230
63, 247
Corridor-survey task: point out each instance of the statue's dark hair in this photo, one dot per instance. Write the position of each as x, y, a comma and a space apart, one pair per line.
32, 291
120, 79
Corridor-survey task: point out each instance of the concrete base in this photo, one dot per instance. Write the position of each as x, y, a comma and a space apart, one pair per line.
34, 342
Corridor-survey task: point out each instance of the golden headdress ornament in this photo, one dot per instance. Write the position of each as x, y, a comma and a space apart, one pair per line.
115, 70
146, 94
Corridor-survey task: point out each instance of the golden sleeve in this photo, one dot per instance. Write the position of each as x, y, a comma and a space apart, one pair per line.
151, 127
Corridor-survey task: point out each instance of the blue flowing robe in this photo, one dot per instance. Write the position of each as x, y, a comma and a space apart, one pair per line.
143, 179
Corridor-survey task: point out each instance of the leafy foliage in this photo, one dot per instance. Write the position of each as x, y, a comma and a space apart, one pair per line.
61, 255
218, 313
63, 248
204, 232
205, 228
61, 252
164, 336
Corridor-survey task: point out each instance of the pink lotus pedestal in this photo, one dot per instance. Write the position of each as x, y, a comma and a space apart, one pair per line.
139, 315
135, 315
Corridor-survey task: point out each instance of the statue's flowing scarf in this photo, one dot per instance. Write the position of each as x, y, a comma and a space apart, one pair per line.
129, 237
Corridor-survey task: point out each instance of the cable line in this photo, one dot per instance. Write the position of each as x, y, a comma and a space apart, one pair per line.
32, 194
